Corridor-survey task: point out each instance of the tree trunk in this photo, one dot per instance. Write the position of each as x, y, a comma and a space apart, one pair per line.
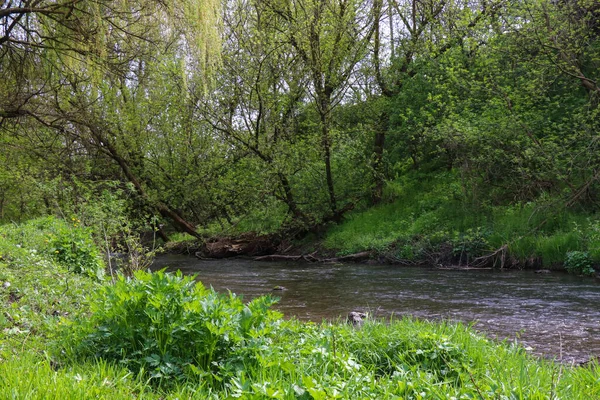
378, 146
164, 210
324, 110
289, 198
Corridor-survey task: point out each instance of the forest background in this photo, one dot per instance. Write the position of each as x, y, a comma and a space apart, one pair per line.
418, 130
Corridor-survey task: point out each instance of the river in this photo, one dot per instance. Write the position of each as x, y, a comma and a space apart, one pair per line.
554, 315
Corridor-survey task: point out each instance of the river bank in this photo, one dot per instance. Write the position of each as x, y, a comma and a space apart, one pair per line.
423, 220
73, 335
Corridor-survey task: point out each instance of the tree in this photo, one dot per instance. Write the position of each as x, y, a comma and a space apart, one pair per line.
58, 56
330, 37
260, 90
418, 33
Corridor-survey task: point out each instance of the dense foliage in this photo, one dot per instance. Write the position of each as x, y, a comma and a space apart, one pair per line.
311, 109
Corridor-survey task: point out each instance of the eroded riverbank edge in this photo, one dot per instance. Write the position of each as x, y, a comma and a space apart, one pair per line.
272, 248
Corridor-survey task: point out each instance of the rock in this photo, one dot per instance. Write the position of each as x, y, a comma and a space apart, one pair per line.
356, 318
279, 288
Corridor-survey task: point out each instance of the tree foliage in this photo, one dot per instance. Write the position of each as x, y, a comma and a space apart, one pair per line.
283, 116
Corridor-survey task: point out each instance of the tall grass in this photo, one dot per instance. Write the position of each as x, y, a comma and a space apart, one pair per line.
33, 377
429, 211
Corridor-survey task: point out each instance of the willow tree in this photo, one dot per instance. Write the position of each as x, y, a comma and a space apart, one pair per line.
254, 107
55, 57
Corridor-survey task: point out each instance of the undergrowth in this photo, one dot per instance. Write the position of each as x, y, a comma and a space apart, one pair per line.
427, 219
37, 285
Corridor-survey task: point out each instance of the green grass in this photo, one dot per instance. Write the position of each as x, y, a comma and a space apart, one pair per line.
255, 353
36, 290
426, 214
31, 376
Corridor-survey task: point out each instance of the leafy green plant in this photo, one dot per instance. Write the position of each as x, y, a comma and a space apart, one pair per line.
579, 263
169, 326
470, 244
73, 247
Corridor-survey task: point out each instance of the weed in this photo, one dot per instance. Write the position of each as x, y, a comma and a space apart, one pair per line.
167, 326
579, 263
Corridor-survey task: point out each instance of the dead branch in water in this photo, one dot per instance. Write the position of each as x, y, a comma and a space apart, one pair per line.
363, 255
495, 255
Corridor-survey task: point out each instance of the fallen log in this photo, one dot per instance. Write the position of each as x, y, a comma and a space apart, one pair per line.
278, 257
363, 255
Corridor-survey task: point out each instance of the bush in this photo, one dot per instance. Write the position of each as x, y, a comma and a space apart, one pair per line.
169, 326
579, 263
73, 247
470, 244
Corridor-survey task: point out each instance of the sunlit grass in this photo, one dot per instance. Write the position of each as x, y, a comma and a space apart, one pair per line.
426, 213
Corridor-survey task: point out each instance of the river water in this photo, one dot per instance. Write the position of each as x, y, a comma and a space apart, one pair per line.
553, 315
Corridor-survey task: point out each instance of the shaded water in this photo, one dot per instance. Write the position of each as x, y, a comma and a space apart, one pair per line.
556, 315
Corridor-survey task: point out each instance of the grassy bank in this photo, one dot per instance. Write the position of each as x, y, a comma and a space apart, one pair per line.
428, 218
68, 334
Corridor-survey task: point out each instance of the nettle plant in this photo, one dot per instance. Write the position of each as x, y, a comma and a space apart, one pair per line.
167, 326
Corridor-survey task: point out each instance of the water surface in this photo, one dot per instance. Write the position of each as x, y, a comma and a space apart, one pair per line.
554, 315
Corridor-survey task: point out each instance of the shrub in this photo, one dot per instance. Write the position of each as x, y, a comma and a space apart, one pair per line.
470, 244
73, 247
579, 263
169, 326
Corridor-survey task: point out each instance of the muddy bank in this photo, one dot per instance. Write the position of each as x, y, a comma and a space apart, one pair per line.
273, 248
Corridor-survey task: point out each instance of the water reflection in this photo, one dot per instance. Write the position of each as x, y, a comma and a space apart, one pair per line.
554, 314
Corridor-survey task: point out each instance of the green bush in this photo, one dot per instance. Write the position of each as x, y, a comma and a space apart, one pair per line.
579, 263
470, 244
73, 247
169, 326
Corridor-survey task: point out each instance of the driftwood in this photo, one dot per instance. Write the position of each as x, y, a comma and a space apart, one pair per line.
245, 245
499, 254
280, 257
311, 257
463, 268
